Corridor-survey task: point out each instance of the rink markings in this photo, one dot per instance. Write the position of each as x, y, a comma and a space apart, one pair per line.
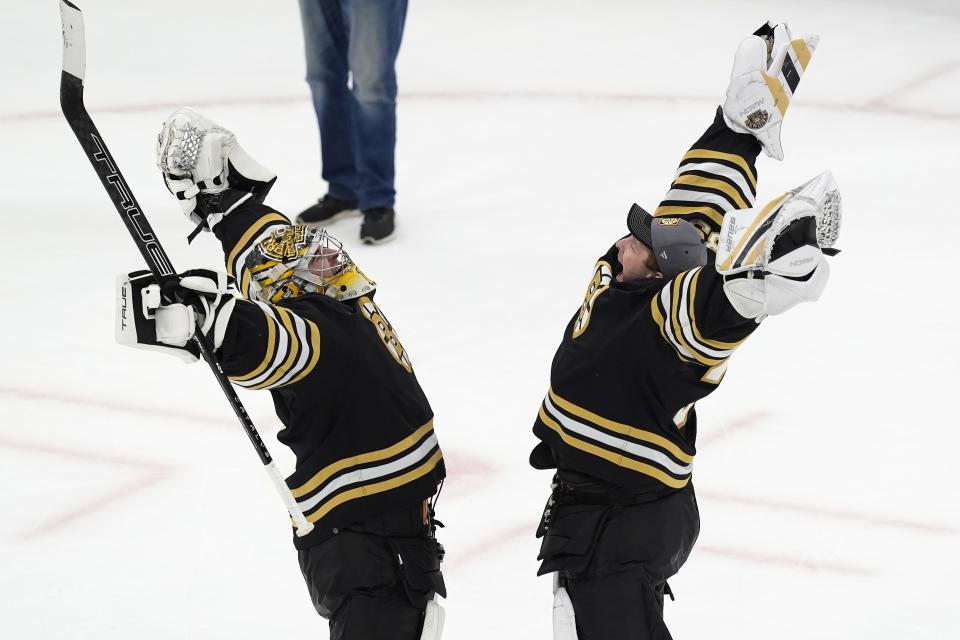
880, 105
835, 514
882, 102
164, 414
791, 562
150, 474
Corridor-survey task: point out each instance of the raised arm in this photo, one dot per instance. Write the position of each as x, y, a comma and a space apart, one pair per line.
259, 346
718, 174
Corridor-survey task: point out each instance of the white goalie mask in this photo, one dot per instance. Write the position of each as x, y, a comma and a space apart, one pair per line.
296, 259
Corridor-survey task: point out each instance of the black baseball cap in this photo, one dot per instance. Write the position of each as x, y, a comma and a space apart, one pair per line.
675, 243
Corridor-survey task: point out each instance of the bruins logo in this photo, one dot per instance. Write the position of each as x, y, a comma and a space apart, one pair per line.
372, 313
757, 119
602, 276
284, 243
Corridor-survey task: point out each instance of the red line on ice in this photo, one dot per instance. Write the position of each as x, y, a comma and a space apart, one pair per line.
509, 535
32, 396
100, 503
781, 561
151, 473
877, 106
837, 514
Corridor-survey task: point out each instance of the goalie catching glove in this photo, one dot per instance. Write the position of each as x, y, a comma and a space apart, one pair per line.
772, 259
205, 298
206, 169
766, 72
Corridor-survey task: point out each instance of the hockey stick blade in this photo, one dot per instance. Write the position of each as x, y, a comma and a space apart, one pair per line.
71, 103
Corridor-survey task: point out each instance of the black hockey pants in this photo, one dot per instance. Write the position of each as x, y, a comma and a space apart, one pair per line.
373, 579
614, 554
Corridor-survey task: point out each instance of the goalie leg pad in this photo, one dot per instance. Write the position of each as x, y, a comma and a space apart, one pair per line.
564, 619
433, 617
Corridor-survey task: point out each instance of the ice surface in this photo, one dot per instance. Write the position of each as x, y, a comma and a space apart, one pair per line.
133, 505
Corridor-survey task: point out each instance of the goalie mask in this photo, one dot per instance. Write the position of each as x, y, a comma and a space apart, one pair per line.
296, 260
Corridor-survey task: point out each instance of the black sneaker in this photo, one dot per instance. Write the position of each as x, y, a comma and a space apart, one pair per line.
377, 226
328, 209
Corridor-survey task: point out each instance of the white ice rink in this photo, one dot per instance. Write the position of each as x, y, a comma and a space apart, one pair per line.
133, 506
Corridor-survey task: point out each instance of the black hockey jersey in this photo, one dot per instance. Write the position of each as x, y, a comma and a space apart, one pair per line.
343, 387
637, 356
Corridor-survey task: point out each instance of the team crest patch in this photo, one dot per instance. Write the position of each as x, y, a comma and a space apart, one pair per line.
668, 222
284, 243
757, 119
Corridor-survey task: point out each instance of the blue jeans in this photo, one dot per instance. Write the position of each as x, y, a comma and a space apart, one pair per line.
351, 49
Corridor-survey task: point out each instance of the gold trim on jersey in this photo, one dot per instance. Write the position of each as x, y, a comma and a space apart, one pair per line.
728, 183
706, 209
733, 176
254, 233
600, 282
619, 427
378, 487
291, 350
651, 454
711, 183
411, 458
680, 418
674, 312
373, 313
707, 154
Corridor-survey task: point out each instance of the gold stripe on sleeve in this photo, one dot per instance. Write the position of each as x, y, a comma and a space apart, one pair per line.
291, 357
694, 154
616, 458
315, 347
619, 427
704, 209
716, 344
678, 330
657, 316
251, 233
270, 351
712, 183
324, 474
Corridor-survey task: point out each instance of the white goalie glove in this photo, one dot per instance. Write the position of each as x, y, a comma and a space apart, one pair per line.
200, 160
766, 72
144, 320
774, 258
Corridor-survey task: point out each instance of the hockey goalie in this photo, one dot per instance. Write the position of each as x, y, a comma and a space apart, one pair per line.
666, 307
294, 315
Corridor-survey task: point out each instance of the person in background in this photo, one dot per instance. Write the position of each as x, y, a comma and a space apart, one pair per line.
351, 49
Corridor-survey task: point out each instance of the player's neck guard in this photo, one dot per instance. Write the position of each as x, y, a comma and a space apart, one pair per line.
296, 260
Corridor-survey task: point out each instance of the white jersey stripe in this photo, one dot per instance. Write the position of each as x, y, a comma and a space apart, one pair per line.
686, 321
408, 461
282, 349
684, 195
616, 442
722, 171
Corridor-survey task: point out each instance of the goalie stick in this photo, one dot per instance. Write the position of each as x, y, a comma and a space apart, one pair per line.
71, 102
